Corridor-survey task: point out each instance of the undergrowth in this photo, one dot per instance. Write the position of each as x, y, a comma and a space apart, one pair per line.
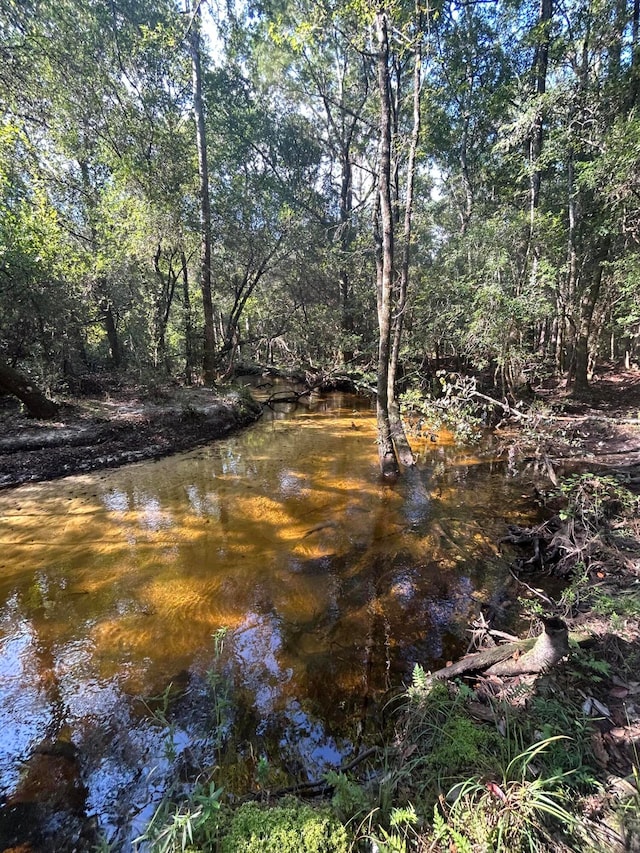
478, 770
510, 779
288, 827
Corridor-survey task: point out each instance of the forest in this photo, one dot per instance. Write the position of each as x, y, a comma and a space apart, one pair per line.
437, 204
186, 189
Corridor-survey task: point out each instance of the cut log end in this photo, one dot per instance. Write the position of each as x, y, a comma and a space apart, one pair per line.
548, 650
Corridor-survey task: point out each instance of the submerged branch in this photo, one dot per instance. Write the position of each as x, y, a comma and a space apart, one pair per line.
286, 397
320, 787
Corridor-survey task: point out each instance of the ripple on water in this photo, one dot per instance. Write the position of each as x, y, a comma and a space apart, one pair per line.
330, 585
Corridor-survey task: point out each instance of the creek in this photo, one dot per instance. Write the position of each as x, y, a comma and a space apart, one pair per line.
248, 605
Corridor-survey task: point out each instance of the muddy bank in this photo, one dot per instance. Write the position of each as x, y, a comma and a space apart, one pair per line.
110, 424
94, 433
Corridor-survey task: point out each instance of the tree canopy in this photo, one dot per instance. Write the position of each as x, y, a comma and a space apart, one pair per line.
183, 189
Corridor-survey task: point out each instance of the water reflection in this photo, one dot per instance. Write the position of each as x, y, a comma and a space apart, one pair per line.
330, 584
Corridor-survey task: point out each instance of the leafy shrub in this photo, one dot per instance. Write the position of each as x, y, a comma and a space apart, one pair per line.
349, 798
594, 500
449, 404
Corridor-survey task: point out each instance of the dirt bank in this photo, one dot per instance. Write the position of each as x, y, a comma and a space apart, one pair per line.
600, 433
124, 425
120, 423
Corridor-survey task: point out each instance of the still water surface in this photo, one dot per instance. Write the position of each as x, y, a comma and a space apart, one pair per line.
330, 586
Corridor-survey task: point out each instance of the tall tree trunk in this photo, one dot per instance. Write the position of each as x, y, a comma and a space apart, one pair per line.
634, 88
209, 356
584, 330
346, 240
536, 139
37, 404
539, 70
466, 204
100, 288
386, 450
403, 448
570, 285
343, 114
163, 308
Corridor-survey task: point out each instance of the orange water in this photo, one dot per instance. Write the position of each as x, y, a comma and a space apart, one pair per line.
329, 583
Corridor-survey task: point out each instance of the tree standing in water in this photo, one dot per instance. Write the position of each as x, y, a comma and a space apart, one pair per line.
385, 236
209, 359
392, 283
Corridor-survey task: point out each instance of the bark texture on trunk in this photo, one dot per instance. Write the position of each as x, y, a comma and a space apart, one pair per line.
112, 333
37, 404
549, 649
386, 450
189, 363
539, 71
402, 446
209, 357
517, 658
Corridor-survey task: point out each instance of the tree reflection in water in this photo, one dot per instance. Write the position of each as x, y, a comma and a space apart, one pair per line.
330, 583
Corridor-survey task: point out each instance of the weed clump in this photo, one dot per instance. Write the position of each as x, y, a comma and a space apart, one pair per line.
463, 743
291, 827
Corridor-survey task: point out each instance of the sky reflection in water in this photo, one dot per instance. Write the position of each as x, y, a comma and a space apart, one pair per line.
330, 585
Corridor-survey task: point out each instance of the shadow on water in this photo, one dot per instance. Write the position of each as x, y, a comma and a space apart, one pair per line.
329, 584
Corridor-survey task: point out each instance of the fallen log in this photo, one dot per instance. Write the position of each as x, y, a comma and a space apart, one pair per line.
506, 408
285, 397
479, 661
548, 650
37, 404
532, 655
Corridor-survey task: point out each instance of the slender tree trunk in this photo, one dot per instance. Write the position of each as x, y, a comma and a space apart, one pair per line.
386, 451
634, 88
346, 239
584, 331
209, 356
540, 65
100, 290
189, 361
466, 208
346, 323
403, 449
343, 115
571, 283
560, 339
37, 404
539, 70
163, 308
